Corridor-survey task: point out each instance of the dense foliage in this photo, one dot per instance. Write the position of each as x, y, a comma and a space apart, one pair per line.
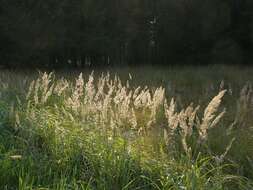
83, 32
103, 133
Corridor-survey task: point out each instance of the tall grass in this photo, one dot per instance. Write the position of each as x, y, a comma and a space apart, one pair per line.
103, 133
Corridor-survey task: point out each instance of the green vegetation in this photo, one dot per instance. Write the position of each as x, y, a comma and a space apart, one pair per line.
104, 131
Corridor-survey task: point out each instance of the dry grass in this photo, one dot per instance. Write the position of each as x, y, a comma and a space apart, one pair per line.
132, 128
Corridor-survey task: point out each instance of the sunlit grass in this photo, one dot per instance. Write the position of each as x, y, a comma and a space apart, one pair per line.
94, 131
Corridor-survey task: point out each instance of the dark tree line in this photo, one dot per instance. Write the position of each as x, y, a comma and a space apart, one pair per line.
100, 32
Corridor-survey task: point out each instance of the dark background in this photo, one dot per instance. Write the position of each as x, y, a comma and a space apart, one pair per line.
59, 33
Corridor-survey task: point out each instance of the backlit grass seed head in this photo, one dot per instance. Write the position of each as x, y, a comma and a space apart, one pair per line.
41, 89
36, 91
89, 89
186, 120
191, 114
47, 94
171, 115
244, 105
245, 96
61, 86
157, 101
30, 90
210, 119
130, 76
100, 88
45, 81
222, 85
220, 159
79, 86
74, 101
136, 92
143, 99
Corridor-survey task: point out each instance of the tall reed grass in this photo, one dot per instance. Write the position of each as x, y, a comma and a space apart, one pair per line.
103, 133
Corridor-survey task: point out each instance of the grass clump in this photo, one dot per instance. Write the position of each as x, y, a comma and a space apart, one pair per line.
106, 134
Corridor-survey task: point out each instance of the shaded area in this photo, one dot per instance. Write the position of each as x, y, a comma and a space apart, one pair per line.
115, 32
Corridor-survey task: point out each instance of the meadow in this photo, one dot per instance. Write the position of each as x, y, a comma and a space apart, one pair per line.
154, 128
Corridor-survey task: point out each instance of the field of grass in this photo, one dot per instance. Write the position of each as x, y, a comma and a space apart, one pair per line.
174, 128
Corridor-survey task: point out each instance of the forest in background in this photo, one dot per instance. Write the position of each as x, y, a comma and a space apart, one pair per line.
125, 32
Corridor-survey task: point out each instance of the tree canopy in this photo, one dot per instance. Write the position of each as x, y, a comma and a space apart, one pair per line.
101, 32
